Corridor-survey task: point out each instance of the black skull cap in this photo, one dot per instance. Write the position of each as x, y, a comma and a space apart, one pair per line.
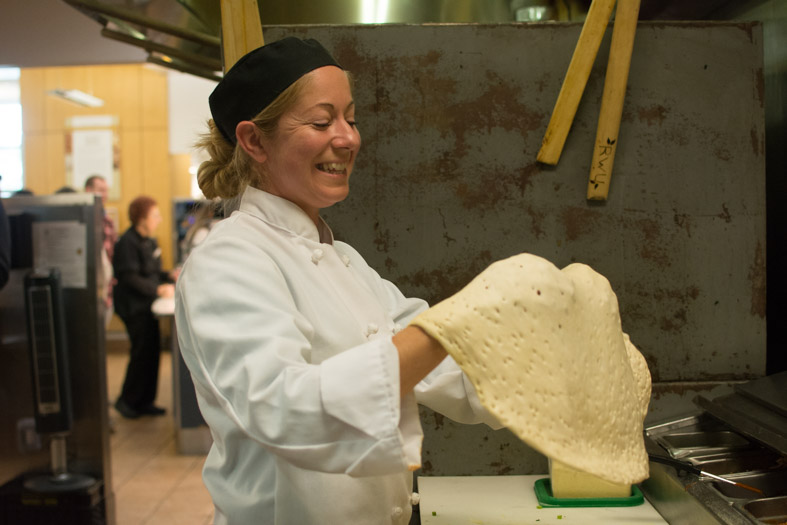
260, 76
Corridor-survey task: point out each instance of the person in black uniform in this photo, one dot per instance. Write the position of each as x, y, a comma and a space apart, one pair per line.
140, 280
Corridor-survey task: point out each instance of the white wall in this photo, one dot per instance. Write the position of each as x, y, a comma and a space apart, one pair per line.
188, 110
188, 115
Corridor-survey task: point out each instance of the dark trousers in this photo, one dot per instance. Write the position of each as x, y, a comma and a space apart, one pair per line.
141, 383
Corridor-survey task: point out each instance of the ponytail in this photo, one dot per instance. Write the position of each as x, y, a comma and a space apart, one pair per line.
227, 172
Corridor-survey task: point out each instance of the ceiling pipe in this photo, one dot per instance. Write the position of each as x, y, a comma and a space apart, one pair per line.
136, 18
150, 46
184, 68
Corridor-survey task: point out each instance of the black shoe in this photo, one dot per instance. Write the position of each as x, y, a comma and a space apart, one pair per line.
125, 410
152, 410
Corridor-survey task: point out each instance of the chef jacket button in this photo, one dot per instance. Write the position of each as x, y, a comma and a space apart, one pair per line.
346, 260
397, 328
396, 512
317, 255
415, 498
371, 329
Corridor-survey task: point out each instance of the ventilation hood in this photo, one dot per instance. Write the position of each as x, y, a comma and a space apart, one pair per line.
186, 34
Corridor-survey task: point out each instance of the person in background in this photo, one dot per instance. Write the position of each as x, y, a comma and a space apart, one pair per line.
204, 217
98, 185
305, 368
65, 189
140, 280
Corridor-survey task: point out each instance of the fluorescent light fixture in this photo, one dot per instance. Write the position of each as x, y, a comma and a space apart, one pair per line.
77, 97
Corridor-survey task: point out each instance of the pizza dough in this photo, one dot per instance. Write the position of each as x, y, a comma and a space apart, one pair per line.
546, 353
567, 482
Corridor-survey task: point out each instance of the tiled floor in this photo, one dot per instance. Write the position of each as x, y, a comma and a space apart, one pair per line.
153, 484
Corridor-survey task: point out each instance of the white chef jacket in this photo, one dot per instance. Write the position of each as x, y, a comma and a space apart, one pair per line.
287, 335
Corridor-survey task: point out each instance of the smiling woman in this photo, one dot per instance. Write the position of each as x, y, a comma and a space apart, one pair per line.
310, 159
303, 364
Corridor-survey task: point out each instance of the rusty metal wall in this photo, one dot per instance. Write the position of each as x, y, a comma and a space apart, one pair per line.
452, 117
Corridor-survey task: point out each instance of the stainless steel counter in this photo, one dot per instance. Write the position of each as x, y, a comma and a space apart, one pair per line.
740, 436
192, 435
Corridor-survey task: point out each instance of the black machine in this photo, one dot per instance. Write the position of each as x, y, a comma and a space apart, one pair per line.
51, 380
58, 496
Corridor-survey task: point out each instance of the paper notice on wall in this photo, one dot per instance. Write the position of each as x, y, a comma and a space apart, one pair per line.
93, 154
62, 245
93, 148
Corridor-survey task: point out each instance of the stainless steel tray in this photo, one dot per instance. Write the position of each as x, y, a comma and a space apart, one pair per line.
772, 483
685, 444
768, 510
684, 498
752, 460
757, 409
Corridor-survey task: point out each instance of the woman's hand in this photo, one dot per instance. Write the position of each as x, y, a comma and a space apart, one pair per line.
165, 290
419, 354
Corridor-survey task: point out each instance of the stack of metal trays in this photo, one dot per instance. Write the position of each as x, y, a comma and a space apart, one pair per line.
742, 437
757, 409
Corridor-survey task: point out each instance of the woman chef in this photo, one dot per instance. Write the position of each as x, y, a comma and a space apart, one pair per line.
303, 363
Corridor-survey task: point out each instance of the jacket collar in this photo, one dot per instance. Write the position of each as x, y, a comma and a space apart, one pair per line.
137, 235
284, 214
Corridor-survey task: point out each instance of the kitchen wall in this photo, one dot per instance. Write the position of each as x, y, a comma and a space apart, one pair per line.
773, 15
447, 182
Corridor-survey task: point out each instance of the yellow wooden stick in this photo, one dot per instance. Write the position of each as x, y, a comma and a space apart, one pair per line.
241, 30
612, 100
576, 77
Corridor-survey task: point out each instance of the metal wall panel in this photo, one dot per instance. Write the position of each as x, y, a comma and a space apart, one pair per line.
22, 450
452, 117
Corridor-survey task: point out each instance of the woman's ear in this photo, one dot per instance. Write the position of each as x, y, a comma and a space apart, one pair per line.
248, 136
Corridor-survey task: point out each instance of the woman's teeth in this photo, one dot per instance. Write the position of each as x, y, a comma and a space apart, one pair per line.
332, 167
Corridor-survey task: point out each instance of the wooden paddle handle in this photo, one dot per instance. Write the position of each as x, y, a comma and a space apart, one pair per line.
241, 30
607, 139
574, 84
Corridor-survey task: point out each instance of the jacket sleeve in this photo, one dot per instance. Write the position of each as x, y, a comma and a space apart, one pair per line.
446, 389
244, 343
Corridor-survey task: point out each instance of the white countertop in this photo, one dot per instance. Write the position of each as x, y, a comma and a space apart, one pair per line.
511, 500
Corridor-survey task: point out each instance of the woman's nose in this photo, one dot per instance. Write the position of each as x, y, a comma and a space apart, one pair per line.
347, 136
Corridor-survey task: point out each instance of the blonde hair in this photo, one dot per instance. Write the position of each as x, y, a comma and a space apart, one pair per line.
229, 169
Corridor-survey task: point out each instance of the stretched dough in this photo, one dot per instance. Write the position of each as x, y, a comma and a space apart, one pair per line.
546, 353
